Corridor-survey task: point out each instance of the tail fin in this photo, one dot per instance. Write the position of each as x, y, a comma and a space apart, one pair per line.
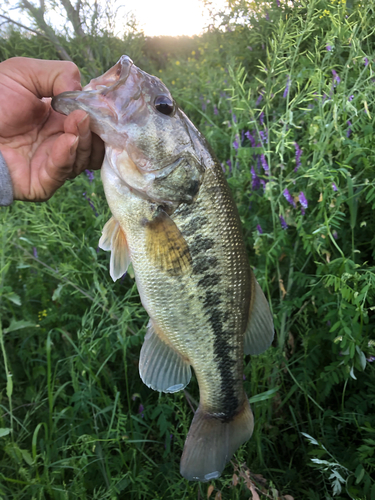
210, 443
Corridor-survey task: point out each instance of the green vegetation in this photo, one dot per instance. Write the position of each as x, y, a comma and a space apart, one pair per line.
285, 97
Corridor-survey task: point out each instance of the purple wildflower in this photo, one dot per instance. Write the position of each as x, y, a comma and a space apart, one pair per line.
249, 47
349, 131
141, 409
328, 323
334, 187
298, 157
286, 91
243, 377
251, 138
289, 198
259, 229
260, 97
351, 97
303, 201
261, 118
267, 17
90, 175
255, 184
229, 163
216, 111
336, 77
265, 165
335, 235
263, 46
278, 3
222, 166
284, 225
235, 145
204, 106
263, 135
371, 359
366, 61
91, 204
329, 48
35, 252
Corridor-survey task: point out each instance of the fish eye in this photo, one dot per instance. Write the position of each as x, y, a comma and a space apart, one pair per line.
164, 105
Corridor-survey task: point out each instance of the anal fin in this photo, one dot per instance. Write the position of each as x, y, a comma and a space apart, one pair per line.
260, 331
160, 366
113, 238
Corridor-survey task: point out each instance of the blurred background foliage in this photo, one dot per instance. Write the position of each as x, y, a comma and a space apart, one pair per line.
284, 92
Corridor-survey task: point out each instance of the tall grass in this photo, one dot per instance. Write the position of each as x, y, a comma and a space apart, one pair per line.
292, 122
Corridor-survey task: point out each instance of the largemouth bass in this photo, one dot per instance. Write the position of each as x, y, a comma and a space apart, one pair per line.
175, 220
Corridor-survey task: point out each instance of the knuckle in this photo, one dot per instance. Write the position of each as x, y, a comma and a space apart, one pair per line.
71, 68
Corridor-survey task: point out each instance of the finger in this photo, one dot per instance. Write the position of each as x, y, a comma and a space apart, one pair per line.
59, 165
43, 78
90, 151
78, 123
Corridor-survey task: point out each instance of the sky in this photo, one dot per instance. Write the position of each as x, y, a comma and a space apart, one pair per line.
169, 17
154, 17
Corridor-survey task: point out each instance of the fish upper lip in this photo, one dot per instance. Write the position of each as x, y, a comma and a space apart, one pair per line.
97, 88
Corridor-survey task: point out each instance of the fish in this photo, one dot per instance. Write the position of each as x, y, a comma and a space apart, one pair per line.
174, 219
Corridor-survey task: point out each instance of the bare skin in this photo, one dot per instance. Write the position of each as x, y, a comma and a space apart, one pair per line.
43, 148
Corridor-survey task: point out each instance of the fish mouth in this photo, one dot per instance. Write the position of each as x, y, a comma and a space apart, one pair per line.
93, 97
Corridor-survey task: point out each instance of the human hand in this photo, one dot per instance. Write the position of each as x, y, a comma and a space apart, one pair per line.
43, 148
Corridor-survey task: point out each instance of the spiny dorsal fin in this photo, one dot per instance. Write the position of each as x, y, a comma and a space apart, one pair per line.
260, 332
113, 238
160, 366
166, 246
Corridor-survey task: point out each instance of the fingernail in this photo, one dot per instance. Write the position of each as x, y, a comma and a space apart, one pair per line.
73, 147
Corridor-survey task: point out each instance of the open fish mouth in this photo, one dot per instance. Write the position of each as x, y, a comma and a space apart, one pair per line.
93, 98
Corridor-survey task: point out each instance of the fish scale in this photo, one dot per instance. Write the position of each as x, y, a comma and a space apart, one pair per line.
174, 219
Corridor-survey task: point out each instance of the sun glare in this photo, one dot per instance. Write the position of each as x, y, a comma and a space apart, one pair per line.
169, 17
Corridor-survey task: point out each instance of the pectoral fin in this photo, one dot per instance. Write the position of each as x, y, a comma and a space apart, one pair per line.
166, 246
160, 366
260, 332
113, 238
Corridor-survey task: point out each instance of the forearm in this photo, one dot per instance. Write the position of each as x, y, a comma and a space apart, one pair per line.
6, 187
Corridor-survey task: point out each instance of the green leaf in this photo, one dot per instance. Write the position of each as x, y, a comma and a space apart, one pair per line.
57, 292
361, 356
4, 431
263, 396
18, 325
310, 438
27, 457
359, 473
13, 297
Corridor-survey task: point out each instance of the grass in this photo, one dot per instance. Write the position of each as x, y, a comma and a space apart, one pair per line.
76, 420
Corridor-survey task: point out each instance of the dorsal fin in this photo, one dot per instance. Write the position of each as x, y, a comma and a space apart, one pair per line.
260, 332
